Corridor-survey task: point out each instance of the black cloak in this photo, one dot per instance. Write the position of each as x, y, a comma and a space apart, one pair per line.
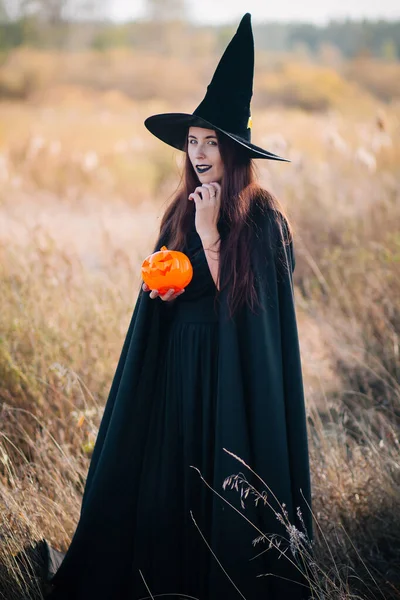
260, 418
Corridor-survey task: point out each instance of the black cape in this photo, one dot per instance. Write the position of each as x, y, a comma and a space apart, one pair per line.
260, 418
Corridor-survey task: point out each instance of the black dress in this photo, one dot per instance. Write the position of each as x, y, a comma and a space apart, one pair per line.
168, 547
193, 389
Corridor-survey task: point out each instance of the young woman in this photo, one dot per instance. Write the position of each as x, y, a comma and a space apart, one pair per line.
205, 376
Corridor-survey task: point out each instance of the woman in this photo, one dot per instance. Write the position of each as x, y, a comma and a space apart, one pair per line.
204, 375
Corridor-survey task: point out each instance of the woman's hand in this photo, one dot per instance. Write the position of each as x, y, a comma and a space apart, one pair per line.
170, 295
208, 201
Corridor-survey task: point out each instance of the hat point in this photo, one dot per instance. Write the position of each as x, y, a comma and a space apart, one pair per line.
246, 19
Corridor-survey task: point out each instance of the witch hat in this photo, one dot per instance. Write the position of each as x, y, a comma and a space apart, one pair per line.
226, 105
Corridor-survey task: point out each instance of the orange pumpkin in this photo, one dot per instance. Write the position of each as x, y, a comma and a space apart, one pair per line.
167, 269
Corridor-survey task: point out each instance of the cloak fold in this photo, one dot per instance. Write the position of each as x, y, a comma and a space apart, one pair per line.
260, 418
261, 415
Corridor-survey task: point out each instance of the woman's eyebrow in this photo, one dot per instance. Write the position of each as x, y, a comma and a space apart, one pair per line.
207, 136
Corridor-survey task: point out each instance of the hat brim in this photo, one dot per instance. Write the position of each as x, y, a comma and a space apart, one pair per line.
172, 128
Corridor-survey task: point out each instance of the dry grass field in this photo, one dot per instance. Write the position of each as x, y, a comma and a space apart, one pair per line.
83, 187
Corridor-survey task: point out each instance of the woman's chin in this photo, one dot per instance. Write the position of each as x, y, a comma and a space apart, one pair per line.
208, 177
204, 178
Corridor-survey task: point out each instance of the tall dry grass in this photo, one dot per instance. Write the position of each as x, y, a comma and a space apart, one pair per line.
82, 189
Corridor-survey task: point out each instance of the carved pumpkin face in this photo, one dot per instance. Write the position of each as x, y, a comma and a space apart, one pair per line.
167, 269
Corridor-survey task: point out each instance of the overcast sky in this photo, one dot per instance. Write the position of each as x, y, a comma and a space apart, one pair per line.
318, 11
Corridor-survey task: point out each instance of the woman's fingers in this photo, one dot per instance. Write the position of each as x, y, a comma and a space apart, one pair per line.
168, 295
203, 192
195, 197
212, 191
217, 185
171, 295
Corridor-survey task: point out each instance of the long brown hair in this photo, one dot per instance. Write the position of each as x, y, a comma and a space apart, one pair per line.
239, 194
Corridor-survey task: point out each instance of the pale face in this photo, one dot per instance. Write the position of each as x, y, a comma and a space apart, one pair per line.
203, 152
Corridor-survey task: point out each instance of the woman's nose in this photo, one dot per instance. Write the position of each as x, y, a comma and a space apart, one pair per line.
199, 151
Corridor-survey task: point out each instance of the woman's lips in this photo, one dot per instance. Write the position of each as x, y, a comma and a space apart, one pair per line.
203, 169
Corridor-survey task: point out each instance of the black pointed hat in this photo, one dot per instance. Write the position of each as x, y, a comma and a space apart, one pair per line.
226, 105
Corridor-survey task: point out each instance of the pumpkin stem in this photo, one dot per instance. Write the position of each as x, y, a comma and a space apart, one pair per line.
163, 248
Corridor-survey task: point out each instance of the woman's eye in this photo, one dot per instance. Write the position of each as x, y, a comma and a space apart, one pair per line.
209, 142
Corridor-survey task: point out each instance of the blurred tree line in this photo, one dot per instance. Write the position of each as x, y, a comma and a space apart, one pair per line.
79, 24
